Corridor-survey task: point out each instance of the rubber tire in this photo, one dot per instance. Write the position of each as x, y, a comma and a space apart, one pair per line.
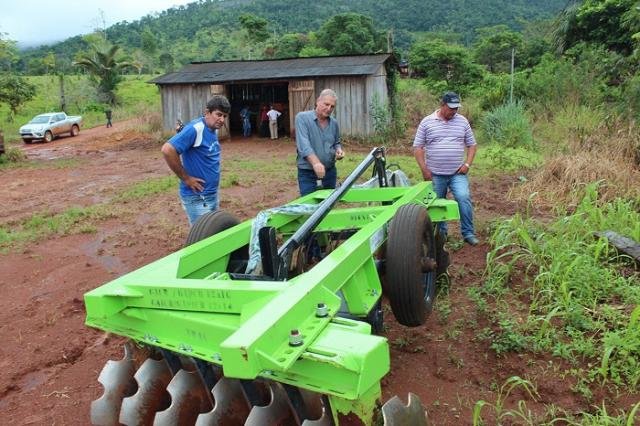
75, 130
212, 223
48, 136
410, 291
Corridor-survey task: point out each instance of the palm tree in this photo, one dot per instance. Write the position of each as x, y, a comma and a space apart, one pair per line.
105, 70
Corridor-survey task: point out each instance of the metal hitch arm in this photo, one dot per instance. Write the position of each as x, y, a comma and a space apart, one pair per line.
279, 265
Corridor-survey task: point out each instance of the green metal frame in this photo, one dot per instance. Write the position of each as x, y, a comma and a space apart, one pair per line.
187, 303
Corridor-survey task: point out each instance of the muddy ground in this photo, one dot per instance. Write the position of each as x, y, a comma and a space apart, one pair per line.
49, 360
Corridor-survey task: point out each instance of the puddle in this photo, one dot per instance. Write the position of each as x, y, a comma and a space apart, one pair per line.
32, 380
93, 249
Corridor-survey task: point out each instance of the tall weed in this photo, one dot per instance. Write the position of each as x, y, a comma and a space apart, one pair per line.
601, 148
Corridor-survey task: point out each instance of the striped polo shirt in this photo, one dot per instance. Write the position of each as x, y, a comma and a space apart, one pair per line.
444, 142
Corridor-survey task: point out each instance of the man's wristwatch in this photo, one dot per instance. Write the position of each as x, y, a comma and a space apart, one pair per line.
468, 165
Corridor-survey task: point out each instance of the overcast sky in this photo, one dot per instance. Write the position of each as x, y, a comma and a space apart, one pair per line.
36, 22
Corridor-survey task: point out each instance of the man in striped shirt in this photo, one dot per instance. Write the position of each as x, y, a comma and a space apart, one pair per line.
439, 148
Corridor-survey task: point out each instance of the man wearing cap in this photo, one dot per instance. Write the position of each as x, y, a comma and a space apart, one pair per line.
439, 148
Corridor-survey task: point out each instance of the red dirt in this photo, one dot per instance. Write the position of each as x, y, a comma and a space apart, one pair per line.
50, 360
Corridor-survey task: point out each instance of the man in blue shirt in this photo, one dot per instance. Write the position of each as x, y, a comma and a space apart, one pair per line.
318, 144
193, 155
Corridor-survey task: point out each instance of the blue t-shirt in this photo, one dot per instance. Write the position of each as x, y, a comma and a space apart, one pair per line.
199, 150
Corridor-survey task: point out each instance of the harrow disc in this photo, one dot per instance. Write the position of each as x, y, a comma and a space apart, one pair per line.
164, 398
230, 405
118, 382
153, 377
395, 413
188, 398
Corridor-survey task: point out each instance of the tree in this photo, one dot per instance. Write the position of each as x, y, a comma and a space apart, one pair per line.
494, 45
15, 91
166, 61
49, 62
290, 45
148, 42
255, 30
613, 23
311, 51
105, 70
536, 42
439, 61
350, 34
8, 53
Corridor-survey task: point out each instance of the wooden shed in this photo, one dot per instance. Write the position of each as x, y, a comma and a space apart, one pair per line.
291, 85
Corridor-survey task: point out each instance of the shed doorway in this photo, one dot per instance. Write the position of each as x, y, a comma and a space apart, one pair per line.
257, 97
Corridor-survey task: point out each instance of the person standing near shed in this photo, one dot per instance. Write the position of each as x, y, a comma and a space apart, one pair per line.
264, 122
439, 147
193, 155
318, 144
273, 115
245, 115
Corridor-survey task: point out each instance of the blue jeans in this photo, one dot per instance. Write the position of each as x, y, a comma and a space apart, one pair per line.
307, 180
197, 205
246, 127
459, 186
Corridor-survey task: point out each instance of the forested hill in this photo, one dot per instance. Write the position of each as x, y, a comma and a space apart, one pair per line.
206, 30
290, 16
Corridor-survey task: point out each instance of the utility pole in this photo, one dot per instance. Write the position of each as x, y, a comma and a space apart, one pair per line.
63, 102
513, 55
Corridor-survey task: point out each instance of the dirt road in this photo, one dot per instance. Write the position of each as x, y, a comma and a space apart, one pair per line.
50, 361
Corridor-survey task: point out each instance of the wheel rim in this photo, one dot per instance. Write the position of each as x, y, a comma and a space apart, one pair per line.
428, 278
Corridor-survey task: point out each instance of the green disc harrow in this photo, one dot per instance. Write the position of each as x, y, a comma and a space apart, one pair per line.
275, 321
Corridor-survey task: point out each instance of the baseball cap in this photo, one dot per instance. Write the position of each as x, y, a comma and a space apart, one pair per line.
452, 99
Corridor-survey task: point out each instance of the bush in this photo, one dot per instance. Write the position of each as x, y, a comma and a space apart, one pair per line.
386, 128
12, 155
556, 82
630, 102
508, 126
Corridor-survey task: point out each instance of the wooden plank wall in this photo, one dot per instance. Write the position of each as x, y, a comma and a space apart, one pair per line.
186, 102
355, 97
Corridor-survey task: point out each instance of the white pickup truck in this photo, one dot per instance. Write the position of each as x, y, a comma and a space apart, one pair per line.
48, 126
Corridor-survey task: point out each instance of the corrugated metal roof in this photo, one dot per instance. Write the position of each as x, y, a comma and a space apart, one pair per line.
221, 72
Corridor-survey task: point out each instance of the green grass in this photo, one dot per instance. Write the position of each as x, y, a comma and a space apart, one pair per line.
43, 225
16, 159
520, 415
147, 188
601, 417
